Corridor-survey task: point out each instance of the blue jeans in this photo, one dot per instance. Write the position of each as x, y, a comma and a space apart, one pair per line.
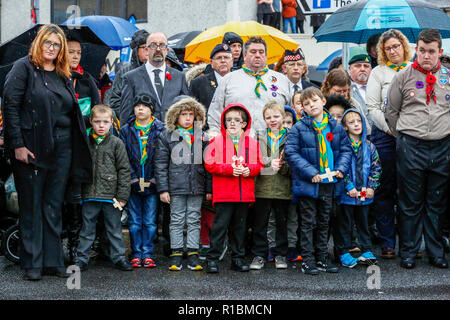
292, 22
142, 224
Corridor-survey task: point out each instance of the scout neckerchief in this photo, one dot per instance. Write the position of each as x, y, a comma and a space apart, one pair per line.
319, 127
259, 82
187, 134
143, 137
235, 140
275, 139
96, 137
431, 79
355, 145
397, 67
298, 116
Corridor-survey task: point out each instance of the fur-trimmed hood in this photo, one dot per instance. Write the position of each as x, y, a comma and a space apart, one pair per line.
194, 72
184, 104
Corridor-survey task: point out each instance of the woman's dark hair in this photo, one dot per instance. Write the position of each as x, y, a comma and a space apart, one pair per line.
337, 100
335, 63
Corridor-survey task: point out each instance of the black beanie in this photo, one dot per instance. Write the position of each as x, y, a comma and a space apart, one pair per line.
139, 37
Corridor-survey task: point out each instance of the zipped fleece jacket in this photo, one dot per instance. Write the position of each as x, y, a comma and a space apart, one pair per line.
219, 160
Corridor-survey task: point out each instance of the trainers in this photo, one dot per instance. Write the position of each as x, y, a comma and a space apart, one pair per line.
194, 261
327, 267
367, 258
175, 261
348, 261
257, 263
270, 256
136, 262
280, 262
149, 263
309, 269
292, 255
203, 253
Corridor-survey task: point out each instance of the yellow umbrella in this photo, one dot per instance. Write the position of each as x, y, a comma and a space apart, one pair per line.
199, 49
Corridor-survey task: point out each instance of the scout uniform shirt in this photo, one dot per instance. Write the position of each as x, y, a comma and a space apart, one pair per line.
407, 110
239, 87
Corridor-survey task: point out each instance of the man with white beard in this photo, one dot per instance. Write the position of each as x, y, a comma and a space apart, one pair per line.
359, 67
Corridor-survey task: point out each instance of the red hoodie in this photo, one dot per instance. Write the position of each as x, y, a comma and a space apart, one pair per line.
219, 159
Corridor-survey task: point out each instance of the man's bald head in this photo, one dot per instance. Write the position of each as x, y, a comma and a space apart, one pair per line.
157, 48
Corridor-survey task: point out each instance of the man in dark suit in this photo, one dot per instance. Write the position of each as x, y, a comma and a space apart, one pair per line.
295, 68
203, 88
154, 78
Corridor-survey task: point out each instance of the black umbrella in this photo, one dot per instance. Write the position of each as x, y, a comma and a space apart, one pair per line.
93, 56
180, 40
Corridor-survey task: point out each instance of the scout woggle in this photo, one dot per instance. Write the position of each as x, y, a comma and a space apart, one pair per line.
430, 79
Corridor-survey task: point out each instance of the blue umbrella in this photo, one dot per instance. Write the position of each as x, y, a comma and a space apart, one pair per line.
115, 32
324, 65
357, 22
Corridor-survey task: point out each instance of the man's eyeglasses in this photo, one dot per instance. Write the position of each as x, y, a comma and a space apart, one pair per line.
160, 46
48, 44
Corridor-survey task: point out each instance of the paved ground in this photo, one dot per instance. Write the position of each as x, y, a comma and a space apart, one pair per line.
102, 282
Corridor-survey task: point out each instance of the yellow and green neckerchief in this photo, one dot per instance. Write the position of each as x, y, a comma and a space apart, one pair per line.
143, 137
259, 82
322, 144
396, 67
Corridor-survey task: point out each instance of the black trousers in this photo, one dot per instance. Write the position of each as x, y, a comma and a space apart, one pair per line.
276, 20
260, 222
41, 195
422, 176
232, 215
315, 214
344, 228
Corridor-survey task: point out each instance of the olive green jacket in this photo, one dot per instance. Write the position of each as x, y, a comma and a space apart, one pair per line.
270, 184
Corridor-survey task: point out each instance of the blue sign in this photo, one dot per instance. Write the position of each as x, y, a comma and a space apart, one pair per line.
321, 4
125, 53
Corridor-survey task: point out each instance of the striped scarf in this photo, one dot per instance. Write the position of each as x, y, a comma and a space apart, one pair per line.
322, 144
96, 137
143, 137
355, 145
396, 67
187, 134
259, 82
235, 140
274, 140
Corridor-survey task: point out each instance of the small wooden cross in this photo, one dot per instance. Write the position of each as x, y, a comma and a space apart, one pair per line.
117, 204
237, 162
143, 184
362, 194
328, 174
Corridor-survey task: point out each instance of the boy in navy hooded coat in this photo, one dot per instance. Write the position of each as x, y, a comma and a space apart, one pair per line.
316, 145
139, 136
360, 184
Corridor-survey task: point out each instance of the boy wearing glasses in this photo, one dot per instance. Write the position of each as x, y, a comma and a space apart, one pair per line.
234, 160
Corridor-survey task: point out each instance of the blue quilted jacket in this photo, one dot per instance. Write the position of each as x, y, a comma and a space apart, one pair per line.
302, 154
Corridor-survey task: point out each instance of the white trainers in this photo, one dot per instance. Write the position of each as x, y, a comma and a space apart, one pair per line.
257, 263
280, 262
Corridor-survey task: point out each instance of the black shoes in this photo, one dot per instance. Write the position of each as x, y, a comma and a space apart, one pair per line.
83, 266
123, 265
388, 253
239, 265
310, 269
33, 275
407, 263
59, 272
439, 262
212, 266
327, 267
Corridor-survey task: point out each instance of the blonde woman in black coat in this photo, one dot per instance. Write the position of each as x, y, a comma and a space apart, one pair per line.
47, 138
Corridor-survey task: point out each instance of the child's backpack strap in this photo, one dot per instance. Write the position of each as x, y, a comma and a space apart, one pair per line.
246, 148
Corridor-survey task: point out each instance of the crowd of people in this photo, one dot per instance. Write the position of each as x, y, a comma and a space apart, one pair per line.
232, 154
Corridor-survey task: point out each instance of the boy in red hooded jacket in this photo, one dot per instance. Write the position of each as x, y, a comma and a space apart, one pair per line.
234, 160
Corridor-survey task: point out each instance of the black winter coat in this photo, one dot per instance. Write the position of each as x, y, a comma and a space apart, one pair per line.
27, 113
181, 178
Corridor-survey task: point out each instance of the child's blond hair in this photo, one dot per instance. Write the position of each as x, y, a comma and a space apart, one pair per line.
101, 108
274, 105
